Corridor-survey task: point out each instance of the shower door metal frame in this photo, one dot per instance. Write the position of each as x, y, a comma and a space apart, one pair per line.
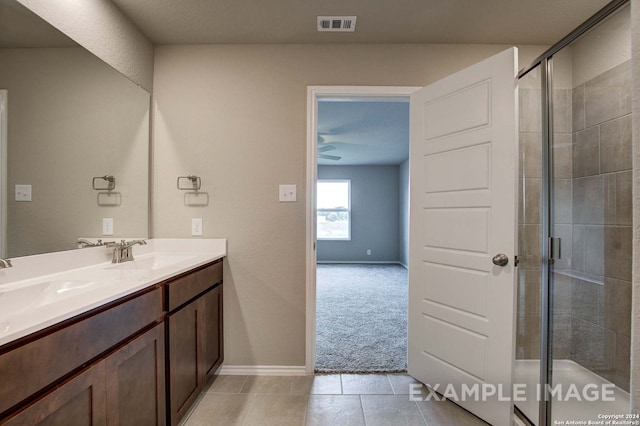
545, 61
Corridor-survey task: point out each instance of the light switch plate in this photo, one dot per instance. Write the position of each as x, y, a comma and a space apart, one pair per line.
196, 226
23, 192
287, 193
107, 226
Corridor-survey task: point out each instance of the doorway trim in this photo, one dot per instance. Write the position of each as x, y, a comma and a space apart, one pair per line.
3, 171
314, 93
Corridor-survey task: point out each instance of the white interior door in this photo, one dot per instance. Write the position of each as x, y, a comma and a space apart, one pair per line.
463, 178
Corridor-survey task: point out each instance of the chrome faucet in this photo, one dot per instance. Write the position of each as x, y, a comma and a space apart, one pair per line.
82, 243
5, 263
122, 251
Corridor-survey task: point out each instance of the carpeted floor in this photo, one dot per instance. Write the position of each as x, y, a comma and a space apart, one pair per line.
361, 318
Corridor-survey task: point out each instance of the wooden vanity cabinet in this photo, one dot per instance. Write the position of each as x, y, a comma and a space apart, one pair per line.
194, 330
141, 360
104, 361
78, 402
135, 382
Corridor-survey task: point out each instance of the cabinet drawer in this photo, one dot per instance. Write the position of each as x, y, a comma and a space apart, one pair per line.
35, 365
186, 288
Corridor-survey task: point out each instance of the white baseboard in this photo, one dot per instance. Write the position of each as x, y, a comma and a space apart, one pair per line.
369, 262
263, 370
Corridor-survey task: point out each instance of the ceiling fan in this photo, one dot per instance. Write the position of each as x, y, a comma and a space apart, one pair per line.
325, 148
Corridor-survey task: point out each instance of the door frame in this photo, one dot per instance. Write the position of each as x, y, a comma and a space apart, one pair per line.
314, 93
4, 94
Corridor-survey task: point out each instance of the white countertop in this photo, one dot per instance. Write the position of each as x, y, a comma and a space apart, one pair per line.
42, 290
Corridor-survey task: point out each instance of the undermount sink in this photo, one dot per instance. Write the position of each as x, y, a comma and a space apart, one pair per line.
18, 299
152, 262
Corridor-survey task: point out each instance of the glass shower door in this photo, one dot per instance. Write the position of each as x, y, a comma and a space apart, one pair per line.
527, 364
591, 215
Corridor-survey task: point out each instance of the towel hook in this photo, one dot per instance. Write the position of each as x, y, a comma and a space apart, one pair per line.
110, 181
195, 183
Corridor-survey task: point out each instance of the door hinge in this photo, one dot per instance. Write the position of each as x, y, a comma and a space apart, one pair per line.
516, 261
555, 248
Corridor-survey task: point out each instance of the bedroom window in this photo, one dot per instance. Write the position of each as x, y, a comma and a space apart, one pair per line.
333, 209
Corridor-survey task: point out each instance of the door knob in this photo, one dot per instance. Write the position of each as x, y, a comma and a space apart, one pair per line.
500, 259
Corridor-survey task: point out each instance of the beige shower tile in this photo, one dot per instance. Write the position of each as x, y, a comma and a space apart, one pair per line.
561, 336
585, 297
594, 250
531, 155
562, 156
592, 346
615, 145
617, 306
528, 292
528, 337
617, 252
562, 103
624, 207
586, 152
390, 410
608, 96
530, 110
330, 410
532, 200
577, 106
588, 196
277, 410
563, 201
622, 371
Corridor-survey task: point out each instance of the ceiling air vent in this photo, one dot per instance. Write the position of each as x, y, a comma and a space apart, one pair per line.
337, 23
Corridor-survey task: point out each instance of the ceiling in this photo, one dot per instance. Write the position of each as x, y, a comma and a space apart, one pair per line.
541, 22
363, 132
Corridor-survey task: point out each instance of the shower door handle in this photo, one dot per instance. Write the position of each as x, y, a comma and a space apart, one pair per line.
500, 259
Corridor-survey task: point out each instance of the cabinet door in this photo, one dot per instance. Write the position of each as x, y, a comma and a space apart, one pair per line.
135, 381
80, 401
212, 329
186, 349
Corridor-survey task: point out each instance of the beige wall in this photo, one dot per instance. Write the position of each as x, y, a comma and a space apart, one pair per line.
236, 116
71, 117
100, 27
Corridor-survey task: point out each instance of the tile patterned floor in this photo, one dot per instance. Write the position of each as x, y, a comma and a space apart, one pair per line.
322, 400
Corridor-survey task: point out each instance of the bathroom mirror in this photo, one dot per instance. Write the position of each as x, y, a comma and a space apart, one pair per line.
70, 118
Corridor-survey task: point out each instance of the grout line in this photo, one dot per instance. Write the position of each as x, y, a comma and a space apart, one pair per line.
243, 383
251, 403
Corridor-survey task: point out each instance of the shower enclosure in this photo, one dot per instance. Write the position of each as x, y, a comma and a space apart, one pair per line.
574, 284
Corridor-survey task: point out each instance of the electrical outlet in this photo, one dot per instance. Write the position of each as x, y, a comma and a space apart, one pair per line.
287, 193
368, 252
196, 226
107, 226
23, 192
